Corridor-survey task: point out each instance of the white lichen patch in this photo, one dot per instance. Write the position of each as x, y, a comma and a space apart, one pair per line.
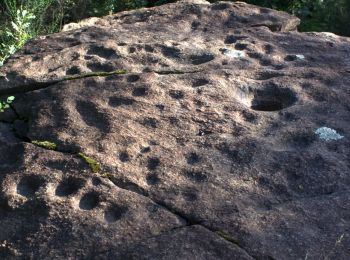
300, 56
328, 134
236, 54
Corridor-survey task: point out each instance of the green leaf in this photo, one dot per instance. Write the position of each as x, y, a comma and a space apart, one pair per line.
10, 98
15, 26
12, 49
8, 33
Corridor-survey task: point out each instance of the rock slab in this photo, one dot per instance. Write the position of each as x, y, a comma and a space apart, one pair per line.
180, 131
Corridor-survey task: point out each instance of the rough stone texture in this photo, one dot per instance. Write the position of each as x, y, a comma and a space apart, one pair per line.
206, 143
193, 242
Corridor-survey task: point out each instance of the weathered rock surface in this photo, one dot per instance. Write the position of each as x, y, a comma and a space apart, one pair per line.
203, 148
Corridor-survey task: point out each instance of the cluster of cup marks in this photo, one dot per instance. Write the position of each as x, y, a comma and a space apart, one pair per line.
268, 99
30, 184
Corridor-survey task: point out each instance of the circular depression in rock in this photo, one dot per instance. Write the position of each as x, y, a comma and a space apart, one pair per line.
272, 99
69, 186
89, 201
29, 185
269, 97
114, 213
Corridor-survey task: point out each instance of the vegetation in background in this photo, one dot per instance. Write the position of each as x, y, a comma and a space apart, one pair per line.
6, 104
25, 19
316, 15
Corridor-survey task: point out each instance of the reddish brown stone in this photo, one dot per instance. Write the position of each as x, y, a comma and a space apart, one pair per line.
207, 144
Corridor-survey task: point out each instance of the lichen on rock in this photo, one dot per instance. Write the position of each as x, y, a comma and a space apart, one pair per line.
328, 134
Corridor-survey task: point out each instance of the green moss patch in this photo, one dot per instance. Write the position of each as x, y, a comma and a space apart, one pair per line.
45, 144
93, 164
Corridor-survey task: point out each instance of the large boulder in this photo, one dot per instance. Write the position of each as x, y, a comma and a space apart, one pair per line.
190, 130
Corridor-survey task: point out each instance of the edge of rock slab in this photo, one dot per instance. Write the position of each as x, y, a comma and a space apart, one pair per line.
93, 21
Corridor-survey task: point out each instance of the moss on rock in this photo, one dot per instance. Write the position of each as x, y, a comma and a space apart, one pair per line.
93, 164
45, 144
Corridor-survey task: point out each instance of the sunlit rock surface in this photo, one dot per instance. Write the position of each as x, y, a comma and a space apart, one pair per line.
195, 125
